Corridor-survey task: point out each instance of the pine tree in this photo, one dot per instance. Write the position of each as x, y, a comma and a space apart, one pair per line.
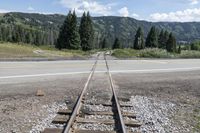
174, 44
67, 31
192, 47
179, 49
90, 30
37, 43
74, 38
171, 44
104, 43
16, 36
139, 39
86, 32
117, 44
166, 37
161, 40
27, 38
63, 38
69, 37
152, 38
82, 29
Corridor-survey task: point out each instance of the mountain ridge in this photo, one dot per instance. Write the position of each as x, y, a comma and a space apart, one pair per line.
105, 26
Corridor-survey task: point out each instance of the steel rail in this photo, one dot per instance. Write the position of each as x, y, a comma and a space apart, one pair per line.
122, 124
77, 107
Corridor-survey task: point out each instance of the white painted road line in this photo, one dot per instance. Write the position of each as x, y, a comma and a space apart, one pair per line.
156, 61
157, 70
116, 71
42, 75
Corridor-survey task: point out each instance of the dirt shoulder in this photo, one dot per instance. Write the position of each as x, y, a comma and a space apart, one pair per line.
21, 110
171, 96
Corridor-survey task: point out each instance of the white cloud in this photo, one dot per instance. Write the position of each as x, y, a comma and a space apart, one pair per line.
87, 5
38, 12
4, 11
182, 16
124, 12
135, 15
30, 8
194, 2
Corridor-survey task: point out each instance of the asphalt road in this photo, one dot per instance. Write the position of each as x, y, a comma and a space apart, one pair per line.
14, 70
33, 72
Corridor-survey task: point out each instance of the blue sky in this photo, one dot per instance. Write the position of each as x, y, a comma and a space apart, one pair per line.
151, 10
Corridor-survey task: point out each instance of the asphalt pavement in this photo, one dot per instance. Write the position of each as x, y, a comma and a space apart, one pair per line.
14, 70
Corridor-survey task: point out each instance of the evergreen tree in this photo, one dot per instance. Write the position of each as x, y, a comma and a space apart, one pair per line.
161, 40
171, 44
90, 30
74, 38
18, 33
67, 32
192, 47
37, 43
69, 37
27, 38
195, 46
63, 38
16, 36
117, 44
179, 49
139, 39
166, 37
9, 34
152, 38
82, 29
86, 32
104, 44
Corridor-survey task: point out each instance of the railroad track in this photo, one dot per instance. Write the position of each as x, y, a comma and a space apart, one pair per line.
69, 118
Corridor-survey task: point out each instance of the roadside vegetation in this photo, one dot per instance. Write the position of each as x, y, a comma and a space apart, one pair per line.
10, 50
158, 45
20, 50
154, 53
197, 119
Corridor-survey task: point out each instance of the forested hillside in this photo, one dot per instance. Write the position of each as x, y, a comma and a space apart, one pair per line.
41, 29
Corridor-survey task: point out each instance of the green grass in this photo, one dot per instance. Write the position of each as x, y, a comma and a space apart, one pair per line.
197, 119
19, 50
9, 50
189, 54
154, 53
125, 53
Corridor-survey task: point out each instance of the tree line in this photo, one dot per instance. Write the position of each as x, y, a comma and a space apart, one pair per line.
73, 37
163, 40
18, 33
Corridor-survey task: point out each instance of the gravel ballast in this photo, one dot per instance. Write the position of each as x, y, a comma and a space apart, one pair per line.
156, 115
50, 115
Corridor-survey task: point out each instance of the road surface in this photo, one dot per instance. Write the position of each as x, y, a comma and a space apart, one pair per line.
15, 70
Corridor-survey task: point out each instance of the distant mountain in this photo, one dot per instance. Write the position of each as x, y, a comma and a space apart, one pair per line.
110, 26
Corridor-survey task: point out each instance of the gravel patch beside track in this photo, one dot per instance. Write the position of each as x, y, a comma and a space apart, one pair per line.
164, 102
22, 112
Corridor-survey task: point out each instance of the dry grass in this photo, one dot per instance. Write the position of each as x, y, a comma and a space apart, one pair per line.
9, 50
154, 53
15, 50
